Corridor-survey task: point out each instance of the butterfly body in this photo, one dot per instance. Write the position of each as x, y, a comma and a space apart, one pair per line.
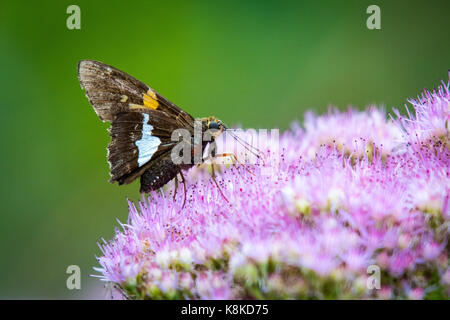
142, 126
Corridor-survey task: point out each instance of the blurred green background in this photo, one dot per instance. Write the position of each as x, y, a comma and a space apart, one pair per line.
256, 63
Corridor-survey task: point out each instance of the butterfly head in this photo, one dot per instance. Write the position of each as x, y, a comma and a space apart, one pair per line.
214, 125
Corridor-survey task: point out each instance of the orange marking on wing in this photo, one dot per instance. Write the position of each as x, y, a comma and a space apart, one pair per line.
150, 100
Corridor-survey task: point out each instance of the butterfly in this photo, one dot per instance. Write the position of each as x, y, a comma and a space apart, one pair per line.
142, 127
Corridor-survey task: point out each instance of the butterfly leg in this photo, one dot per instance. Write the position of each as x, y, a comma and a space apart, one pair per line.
176, 187
213, 174
235, 158
184, 185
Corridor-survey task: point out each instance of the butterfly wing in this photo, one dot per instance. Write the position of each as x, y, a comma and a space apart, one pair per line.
142, 121
134, 143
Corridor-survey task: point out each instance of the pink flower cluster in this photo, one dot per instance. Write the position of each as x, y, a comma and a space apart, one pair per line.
353, 192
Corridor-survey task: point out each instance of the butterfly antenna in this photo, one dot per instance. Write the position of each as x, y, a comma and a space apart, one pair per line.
253, 150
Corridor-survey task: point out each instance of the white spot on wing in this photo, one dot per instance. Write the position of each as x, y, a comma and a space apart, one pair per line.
148, 144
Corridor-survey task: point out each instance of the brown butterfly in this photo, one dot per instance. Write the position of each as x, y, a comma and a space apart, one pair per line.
142, 124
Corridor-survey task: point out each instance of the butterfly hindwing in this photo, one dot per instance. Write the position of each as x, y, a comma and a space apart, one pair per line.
158, 173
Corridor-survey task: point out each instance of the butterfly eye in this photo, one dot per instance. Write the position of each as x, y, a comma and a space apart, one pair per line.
213, 125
